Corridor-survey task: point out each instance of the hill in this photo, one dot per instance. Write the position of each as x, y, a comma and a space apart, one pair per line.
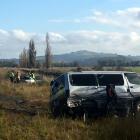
88, 58
85, 58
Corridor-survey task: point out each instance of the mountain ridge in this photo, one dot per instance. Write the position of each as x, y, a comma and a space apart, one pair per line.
84, 57
87, 58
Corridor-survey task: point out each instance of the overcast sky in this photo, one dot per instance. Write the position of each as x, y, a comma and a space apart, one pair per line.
110, 26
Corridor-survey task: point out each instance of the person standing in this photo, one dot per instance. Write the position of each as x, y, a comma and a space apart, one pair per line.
11, 76
17, 77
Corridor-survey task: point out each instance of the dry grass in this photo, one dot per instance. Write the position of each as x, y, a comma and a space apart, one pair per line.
24, 115
39, 127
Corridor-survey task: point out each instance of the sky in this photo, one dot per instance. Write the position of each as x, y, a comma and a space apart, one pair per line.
109, 26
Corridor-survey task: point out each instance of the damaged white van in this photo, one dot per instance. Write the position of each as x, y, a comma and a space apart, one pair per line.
96, 93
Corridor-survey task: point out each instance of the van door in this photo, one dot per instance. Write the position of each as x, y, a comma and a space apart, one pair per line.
133, 83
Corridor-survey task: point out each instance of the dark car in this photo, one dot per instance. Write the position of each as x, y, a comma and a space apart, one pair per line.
93, 93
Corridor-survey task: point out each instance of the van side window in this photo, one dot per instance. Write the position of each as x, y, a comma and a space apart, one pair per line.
58, 85
133, 78
54, 87
106, 79
83, 80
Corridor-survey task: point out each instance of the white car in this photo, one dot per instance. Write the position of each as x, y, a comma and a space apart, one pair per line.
28, 79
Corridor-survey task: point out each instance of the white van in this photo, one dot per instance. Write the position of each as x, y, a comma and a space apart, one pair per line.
96, 92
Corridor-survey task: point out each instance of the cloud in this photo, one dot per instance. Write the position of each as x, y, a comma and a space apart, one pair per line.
100, 17
124, 39
56, 38
21, 35
4, 32
130, 12
13, 42
96, 16
98, 41
127, 18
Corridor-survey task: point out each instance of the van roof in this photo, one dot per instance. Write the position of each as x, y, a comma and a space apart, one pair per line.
100, 72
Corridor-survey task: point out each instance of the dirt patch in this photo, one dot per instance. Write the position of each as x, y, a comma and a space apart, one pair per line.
20, 105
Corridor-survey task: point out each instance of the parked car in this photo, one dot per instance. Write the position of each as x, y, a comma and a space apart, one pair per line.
27, 79
93, 93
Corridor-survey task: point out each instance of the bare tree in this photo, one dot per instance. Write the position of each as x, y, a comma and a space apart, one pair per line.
23, 58
32, 54
48, 55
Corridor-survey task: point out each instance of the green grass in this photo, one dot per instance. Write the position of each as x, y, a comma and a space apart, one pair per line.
135, 69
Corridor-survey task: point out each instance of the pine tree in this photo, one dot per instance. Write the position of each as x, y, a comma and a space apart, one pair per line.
32, 54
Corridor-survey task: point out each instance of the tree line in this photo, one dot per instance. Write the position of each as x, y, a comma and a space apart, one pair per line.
27, 58
111, 62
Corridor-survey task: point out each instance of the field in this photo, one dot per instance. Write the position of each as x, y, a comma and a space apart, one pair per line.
25, 115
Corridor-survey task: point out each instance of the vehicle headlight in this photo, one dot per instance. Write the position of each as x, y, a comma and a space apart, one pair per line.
72, 103
138, 107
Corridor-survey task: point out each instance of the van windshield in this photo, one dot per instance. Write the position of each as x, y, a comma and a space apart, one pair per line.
133, 78
83, 80
106, 79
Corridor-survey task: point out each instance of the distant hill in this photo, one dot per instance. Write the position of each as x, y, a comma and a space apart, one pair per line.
9, 62
80, 56
77, 56
14, 60
88, 58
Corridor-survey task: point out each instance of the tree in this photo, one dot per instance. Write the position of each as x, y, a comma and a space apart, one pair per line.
48, 55
23, 58
32, 54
